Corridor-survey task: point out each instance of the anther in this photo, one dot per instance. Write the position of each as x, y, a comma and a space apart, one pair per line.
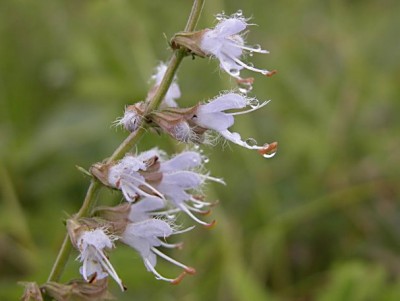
271, 73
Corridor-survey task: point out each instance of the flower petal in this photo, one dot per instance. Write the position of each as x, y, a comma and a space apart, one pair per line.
182, 161
224, 102
216, 121
230, 26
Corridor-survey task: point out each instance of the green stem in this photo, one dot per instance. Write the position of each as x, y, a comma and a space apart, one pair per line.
128, 143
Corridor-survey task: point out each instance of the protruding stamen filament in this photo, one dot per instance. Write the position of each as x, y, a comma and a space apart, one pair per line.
130, 181
248, 48
173, 261
184, 230
110, 269
239, 62
202, 212
217, 180
154, 271
252, 109
193, 217
172, 246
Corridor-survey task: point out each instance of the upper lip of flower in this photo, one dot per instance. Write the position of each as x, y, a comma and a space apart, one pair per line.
226, 44
144, 235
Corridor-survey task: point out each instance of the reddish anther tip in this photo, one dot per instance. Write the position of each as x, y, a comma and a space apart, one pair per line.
269, 149
178, 279
248, 80
190, 270
205, 212
211, 225
271, 73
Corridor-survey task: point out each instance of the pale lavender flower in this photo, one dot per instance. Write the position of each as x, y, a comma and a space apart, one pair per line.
179, 180
145, 209
143, 234
92, 245
125, 175
226, 43
173, 92
213, 115
150, 175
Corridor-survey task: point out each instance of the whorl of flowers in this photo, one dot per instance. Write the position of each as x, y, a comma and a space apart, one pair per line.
157, 188
226, 43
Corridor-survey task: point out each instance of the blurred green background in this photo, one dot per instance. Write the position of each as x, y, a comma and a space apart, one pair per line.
319, 221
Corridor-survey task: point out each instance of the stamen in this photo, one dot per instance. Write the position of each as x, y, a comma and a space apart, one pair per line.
199, 203
84, 269
254, 108
245, 81
271, 73
202, 212
110, 269
184, 230
172, 246
154, 271
178, 279
192, 216
248, 48
173, 261
269, 150
217, 180
235, 138
265, 72
131, 179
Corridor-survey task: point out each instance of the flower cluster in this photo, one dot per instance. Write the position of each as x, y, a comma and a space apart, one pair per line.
156, 187
194, 123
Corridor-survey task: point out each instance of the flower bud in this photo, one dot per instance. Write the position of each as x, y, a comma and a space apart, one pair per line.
174, 122
133, 117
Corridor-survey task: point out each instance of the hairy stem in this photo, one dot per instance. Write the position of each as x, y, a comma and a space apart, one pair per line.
128, 143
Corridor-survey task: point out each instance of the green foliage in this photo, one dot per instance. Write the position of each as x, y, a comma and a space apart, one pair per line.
319, 221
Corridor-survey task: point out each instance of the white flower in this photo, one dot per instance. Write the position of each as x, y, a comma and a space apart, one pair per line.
179, 178
212, 115
92, 245
125, 176
144, 236
173, 92
227, 44
159, 181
